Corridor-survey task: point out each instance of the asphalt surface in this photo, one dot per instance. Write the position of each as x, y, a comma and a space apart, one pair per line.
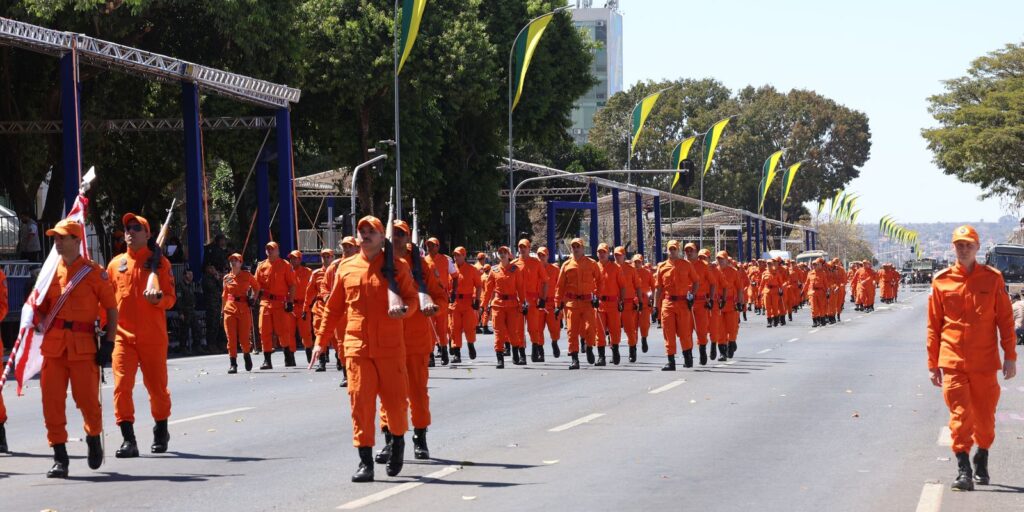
838, 418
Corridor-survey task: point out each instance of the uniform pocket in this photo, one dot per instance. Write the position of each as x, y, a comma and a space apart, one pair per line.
953, 304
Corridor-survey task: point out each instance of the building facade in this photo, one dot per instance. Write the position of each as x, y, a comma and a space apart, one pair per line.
604, 26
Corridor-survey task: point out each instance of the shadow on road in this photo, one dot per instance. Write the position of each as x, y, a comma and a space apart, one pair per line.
120, 477
1001, 489
468, 463
196, 456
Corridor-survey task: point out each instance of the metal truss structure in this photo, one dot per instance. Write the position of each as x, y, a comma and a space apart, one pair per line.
549, 191
139, 125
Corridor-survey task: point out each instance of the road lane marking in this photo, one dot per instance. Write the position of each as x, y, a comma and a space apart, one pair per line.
667, 387
812, 331
792, 340
210, 415
765, 351
945, 437
931, 498
576, 423
398, 489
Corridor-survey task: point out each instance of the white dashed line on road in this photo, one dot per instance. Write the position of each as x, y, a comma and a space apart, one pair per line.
210, 415
792, 340
945, 437
667, 387
812, 331
765, 351
408, 486
576, 423
931, 498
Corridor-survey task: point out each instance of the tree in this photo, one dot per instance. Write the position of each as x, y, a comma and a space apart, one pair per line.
834, 139
844, 241
980, 137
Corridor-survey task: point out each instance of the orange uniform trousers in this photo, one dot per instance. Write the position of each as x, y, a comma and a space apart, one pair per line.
866, 294
3, 410
552, 322
369, 378
275, 321
462, 320
630, 317
508, 327
419, 399
715, 325
701, 321
238, 328
676, 323
441, 326
611, 320
305, 327
819, 304
535, 322
772, 301
581, 322
84, 377
644, 319
730, 323
972, 398
128, 358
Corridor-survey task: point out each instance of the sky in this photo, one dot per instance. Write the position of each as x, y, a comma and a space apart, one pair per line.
883, 58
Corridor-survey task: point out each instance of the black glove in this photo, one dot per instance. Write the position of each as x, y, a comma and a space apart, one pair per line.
253, 302
721, 303
476, 304
636, 305
739, 306
525, 307
622, 306
289, 307
853, 299
558, 310
689, 301
541, 303
596, 302
800, 286
650, 301
103, 355
780, 292
303, 315
828, 294
451, 299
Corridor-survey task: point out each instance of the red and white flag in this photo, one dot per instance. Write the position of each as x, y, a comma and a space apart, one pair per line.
26, 359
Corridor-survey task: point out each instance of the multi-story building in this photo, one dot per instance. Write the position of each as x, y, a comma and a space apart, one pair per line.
604, 25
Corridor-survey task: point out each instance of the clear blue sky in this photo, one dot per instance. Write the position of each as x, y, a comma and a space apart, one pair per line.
883, 58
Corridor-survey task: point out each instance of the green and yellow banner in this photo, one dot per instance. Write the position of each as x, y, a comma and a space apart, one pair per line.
787, 179
640, 113
769, 175
680, 153
711, 139
412, 14
525, 44
836, 201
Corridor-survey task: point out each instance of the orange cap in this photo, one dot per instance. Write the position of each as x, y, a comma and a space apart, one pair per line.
235, 257
542, 250
401, 224
965, 232
460, 250
602, 247
620, 250
819, 260
487, 268
272, 245
295, 254
523, 242
673, 244
575, 242
704, 252
349, 240
690, 246
480, 255
504, 249
434, 241
67, 227
128, 217
372, 222
638, 257
326, 252
722, 254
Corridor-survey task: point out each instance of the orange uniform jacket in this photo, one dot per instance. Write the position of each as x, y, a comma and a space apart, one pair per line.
505, 287
235, 292
274, 278
534, 276
675, 279
419, 335
469, 280
578, 281
313, 301
82, 307
730, 284
303, 276
138, 321
965, 311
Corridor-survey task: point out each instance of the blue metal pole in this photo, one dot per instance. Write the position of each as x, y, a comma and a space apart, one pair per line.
639, 224
194, 200
616, 218
262, 206
553, 248
764, 234
750, 237
757, 240
71, 135
593, 220
739, 243
814, 240
657, 229
285, 175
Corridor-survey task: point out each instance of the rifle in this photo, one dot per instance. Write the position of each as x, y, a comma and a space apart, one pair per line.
388, 269
153, 283
426, 303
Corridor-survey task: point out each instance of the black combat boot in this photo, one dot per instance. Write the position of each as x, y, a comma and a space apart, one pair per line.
732, 349
575, 364
501, 360
267, 365
590, 355
364, 473
714, 351
384, 454
3, 439
309, 355
508, 348
632, 353
533, 352
289, 358
782, 320
981, 467
790, 318
471, 347
964, 477
522, 355
600, 357
443, 354
397, 460
515, 356
344, 378
643, 345
337, 361
129, 448
540, 352
771, 321
160, 437
555, 351
233, 367
456, 355
431, 362
670, 366
60, 462
723, 351
419, 444
321, 363
688, 358
616, 357
247, 360
95, 457
703, 350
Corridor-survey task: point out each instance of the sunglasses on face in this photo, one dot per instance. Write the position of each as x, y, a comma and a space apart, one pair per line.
133, 227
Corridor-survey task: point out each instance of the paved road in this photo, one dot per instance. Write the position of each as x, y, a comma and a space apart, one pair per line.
840, 418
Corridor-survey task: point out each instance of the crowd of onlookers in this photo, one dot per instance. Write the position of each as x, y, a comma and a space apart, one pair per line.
1018, 317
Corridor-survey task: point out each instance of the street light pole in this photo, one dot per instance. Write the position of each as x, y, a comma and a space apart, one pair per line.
352, 190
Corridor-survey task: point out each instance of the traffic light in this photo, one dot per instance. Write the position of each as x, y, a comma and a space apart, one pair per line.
687, 171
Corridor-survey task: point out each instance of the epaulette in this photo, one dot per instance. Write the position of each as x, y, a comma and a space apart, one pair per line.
942, 273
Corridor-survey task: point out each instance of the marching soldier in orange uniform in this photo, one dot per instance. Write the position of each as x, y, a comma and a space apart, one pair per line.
3, 313
505, 296
553, 323
349, 247
646, 281
276, 281
702, 310
238, 297
731, 302
314, 301
300, 310
771, 294
374, 342
851, 281
866, 280
676, 285
608, 314
483, 318
444, 268
419, 343
72, 306
141, 333
535, 282
576, 294
817, 285
631, 300
715, 329
464, 303
968, 306
841, 280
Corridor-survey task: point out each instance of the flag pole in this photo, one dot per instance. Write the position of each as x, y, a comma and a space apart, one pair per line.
398, 138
